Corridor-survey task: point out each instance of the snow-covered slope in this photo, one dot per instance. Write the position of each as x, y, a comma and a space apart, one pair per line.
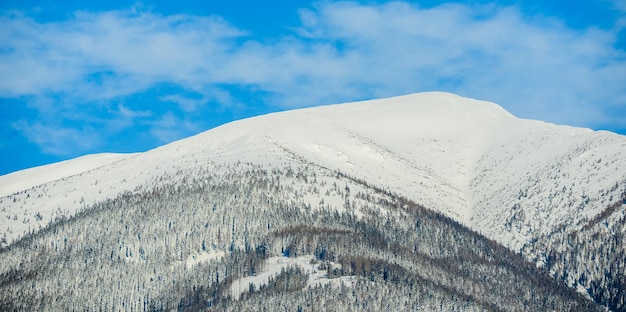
26, 179
537, 178
508, 178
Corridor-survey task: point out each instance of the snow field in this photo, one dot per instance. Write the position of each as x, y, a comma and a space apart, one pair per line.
274, 265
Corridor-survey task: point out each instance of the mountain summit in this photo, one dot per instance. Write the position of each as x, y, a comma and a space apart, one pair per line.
468, 159
528, 185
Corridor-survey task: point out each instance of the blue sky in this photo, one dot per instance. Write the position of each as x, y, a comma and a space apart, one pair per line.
80, 77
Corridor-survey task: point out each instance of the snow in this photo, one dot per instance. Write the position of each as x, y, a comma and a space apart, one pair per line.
26, 179
422, 144
508, 178
274, 265
201, 257
538, 169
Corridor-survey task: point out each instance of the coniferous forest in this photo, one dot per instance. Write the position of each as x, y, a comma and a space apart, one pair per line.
193, 243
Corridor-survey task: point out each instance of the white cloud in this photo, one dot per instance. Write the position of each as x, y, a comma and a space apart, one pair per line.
59, 140
170, 127
186, 104
539, 69
110, 54
535, 67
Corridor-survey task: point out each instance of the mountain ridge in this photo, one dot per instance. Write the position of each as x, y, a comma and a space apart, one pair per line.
431, 147
534, 187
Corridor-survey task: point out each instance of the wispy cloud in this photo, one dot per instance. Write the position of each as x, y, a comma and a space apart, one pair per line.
186, 103
170, 127
535, 67
57, 139
104, 55
619, 4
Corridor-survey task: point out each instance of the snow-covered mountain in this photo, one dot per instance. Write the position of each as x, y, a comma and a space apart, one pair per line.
515, 181
25, 179
508, 178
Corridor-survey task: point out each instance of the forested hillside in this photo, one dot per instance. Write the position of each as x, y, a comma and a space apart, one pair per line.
184, 245
591, 258
427, 201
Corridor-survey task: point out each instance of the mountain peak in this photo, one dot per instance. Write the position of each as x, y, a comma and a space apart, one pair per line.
424, 144
456, 155
392, 164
